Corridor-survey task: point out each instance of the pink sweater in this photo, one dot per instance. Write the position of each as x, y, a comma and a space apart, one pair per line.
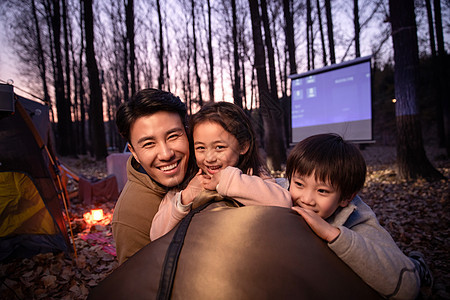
247, 189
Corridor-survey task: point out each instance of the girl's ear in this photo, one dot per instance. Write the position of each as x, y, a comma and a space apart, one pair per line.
244, 148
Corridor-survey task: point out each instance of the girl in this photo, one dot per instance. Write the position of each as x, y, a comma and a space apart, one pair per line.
229, 162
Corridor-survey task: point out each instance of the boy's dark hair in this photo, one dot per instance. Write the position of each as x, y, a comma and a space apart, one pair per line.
331, 159
147, 102
235, 121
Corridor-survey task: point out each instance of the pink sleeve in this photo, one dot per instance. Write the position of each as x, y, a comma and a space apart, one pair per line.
167, 217
252, 190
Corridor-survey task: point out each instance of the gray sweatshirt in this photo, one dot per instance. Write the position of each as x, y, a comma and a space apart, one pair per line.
366, 247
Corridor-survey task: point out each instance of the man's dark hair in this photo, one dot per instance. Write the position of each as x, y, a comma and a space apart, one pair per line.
147, 102
331, 159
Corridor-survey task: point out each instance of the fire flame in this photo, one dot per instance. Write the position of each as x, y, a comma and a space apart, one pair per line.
97, 217
97, 214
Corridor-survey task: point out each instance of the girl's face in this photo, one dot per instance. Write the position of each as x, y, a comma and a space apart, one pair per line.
215, 148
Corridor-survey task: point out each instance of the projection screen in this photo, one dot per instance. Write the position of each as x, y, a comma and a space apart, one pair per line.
333, 99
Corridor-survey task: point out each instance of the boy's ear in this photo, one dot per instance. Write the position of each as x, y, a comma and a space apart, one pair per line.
244, 149
345, 202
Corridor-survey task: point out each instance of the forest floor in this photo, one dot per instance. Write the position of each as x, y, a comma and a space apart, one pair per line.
417, 215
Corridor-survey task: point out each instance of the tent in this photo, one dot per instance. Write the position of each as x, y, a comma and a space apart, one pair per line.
31, 191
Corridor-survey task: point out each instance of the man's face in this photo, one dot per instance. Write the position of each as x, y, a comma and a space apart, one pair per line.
159, 143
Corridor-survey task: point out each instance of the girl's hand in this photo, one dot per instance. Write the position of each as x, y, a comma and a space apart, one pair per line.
193, 189
211, 182
323, 229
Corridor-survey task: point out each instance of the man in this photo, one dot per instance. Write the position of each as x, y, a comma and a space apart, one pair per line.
154, 124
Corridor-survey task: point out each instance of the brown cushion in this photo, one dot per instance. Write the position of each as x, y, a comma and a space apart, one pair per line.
251, 252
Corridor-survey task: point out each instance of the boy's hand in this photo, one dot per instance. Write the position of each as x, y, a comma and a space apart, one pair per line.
192, 190
210, 182
323, 229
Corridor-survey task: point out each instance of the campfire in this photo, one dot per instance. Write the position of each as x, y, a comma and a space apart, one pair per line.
96, 217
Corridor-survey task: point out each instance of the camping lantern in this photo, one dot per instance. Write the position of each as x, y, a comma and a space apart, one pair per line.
97, 214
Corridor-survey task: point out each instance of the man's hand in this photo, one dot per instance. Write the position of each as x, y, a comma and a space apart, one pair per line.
323, 229
209, 182
193, 189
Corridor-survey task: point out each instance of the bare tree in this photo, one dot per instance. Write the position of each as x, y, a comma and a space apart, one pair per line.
444, 98
210, 55
161, 47
129, 20
40, 52
356, 27
330, 30
237, 81
322, 37
412, 161
270, 50
195, 46
270, 109
96, 99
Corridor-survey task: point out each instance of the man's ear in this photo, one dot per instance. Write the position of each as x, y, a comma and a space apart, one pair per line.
244, 148
345, 202
133, 152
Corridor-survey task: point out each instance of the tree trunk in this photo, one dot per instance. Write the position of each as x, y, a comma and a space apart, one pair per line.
444, 100
41, 58
290, 41
357, 27
161, 48
96, 103
194, 37
322, 37
309, 35
330, 31
290, 45
270, 50
269, 107
83, 147
64, 141
210, 55
412, 161
129, 20
237, 80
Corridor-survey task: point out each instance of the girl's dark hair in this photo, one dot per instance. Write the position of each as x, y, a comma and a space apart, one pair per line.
235, 121
331, 159
147, 102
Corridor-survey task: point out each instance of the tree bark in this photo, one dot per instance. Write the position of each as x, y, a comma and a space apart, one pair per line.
194, 37
412, 161
290, 42
444, 100
96, 103
64, 141
129, 20
210, 55
356, 27
41, 60
270, 50
161, 48
322, 37
237, 80
269, 107
330, 31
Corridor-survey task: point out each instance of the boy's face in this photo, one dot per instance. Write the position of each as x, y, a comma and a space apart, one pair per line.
159, 143
320, 197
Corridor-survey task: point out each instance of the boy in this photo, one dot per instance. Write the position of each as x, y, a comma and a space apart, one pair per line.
325, 173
